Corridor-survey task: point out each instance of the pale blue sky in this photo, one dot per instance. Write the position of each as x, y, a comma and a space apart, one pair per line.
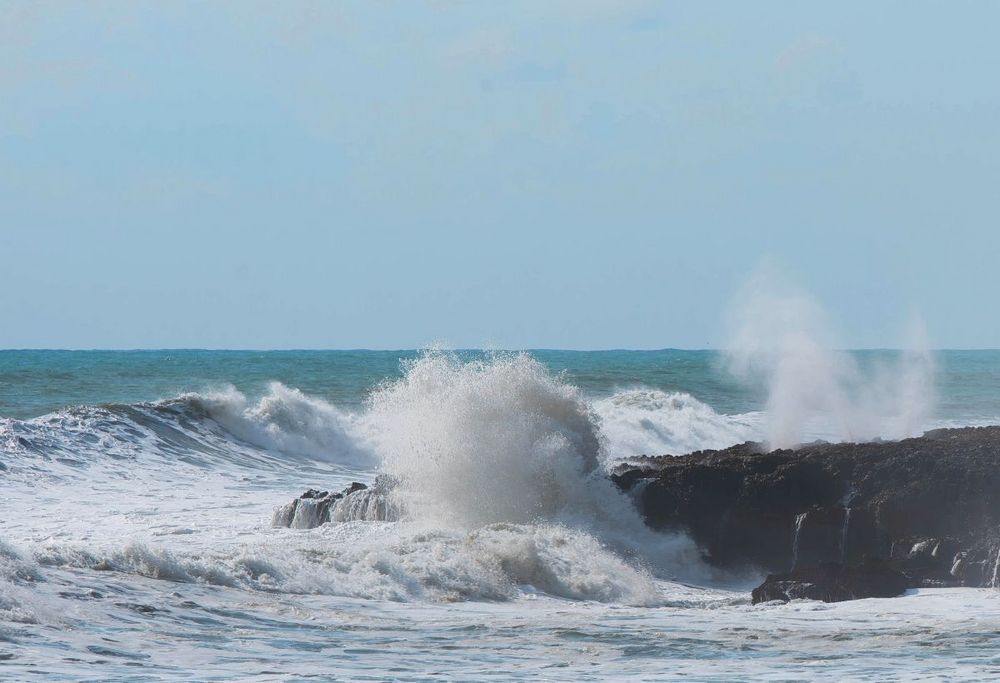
578, 174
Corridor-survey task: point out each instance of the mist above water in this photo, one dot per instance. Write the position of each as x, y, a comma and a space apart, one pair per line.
782, 339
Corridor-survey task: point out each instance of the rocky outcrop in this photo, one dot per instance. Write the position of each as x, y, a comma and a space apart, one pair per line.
928, 506
356, 502
833, 582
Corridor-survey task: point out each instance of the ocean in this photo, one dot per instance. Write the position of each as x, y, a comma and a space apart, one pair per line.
136, 536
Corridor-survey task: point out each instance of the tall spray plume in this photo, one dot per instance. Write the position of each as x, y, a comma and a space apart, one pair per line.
782, 339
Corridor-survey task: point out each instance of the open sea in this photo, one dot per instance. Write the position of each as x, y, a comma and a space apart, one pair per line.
136, 537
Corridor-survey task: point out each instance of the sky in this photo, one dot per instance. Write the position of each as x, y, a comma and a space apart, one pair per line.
561, 174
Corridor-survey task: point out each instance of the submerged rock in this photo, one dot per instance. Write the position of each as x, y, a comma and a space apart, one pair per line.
833, 582
928, 506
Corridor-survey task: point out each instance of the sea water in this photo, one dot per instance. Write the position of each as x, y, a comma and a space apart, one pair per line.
136, 539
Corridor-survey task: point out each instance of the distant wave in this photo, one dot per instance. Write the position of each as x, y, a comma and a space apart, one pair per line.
652, 422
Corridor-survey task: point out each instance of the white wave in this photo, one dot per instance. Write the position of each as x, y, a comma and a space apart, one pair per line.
137, 558
653, 422
390, 562
289, 421
17, 574
196, 428
71, 435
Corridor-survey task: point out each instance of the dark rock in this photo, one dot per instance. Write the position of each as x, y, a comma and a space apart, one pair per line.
929, 506
312, 508
833, 582
355, 486
314, 493
356, 502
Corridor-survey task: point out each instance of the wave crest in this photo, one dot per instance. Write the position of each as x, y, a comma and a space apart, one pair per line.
288, 421
653, 422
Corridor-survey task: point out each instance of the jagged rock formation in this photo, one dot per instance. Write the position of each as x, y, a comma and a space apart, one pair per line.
929, 506
356, 502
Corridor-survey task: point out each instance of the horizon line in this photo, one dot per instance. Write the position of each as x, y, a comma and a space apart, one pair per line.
317, 349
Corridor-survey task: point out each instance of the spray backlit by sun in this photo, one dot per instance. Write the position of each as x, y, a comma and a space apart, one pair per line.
782, 338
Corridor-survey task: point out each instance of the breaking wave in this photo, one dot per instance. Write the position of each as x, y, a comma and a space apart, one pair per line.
498, 472
213, 428
391, 562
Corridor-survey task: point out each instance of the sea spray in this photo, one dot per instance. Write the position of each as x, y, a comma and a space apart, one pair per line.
782, 339
486, 441
503, 441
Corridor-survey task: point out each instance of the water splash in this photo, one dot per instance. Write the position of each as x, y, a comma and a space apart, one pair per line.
782, 339
503, 441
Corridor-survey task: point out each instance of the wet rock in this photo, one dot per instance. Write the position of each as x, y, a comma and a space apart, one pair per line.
312, 508
833, 582
928, 506
316, 507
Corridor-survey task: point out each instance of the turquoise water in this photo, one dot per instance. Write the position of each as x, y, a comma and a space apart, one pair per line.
33, 383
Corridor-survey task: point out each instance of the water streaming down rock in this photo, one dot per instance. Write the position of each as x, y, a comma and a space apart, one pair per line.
843, 533
357, 502
848, 497
799, 520
996, 570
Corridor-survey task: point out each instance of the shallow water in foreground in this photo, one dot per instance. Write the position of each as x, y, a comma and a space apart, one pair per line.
137, 542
